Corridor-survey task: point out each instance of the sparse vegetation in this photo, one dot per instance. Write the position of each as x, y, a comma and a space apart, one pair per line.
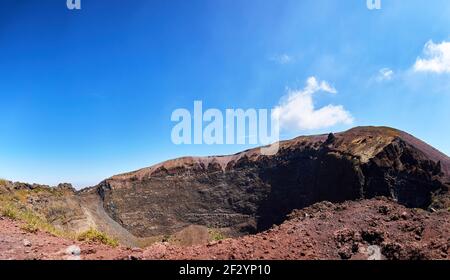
29, 228
14, 206
166, 238
11, 206
3, 182
93, 235
215, 234
32, 222
8, 212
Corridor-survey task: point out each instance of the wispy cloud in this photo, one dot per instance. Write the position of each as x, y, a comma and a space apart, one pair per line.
282, 58
296, 110
435, 58
385, 74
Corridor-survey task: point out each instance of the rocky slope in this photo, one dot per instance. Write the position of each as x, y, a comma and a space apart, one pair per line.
358, 230
374, 229
247, 192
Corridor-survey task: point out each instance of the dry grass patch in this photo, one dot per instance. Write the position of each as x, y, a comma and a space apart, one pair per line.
93, 235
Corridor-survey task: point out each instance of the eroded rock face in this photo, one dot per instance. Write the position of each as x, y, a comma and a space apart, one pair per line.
250, 192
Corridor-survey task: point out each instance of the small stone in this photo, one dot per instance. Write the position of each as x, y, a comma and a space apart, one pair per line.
90, 251
345, 253
73, 250
404, 215
374, 253
383, 210
26, 243
330, 140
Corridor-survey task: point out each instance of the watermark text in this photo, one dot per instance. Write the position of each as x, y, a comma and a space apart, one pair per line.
73, 4
374, 4
236, 126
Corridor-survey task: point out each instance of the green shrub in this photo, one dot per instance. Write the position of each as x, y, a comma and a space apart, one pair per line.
29, 228
215, 235
93, 235
166, 238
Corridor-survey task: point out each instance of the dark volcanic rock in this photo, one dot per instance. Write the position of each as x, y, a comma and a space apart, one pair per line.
250, 192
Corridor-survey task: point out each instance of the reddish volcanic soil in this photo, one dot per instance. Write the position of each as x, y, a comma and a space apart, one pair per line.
17, 244
351, 230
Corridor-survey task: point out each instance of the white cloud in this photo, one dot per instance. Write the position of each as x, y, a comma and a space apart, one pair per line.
296, 110
435, 58
282, 59
385, 74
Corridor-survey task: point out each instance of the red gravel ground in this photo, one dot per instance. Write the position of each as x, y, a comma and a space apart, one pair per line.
329, 231
351, 230
17, 244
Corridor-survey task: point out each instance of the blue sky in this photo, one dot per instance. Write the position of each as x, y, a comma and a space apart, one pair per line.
88, 94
